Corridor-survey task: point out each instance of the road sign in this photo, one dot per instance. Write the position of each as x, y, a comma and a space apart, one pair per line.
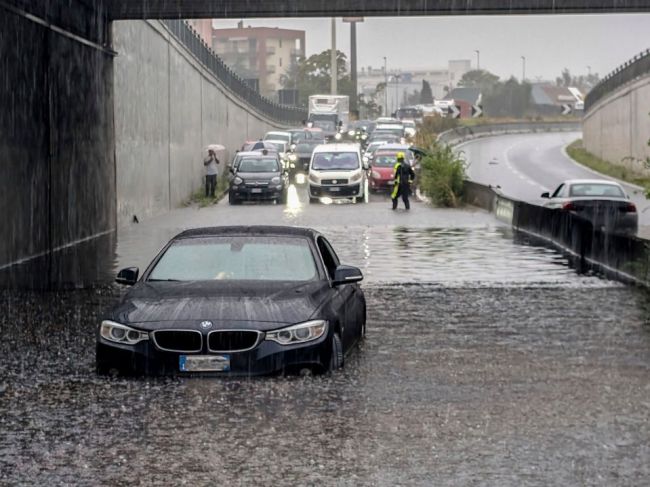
352, 19
454, 111
477, 111
566, 109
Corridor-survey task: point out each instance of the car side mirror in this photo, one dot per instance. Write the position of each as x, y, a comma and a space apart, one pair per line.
546, 195
231, 169
346, 274
128, 276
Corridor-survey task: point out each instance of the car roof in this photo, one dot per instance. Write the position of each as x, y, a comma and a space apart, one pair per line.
254, 230
337, 148
254, 153
591, 181
276, 132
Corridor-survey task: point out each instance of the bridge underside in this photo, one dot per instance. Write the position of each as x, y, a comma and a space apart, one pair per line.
130, 9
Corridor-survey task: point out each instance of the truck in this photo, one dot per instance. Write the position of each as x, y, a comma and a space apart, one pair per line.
330, 113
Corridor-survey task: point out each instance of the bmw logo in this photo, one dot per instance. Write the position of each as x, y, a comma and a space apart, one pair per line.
206, 324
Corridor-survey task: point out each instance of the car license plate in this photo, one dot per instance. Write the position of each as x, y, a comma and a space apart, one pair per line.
334, 190
390, 183
256, 190
204, 363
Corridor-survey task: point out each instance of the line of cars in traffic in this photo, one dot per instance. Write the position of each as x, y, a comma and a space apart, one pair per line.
340, 165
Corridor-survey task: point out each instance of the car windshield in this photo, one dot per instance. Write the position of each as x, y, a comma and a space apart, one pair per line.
326, 125
396, 132
237, 258
595, 189
278, 136
297, 137
335, 161
278, 146
304, 148
254, 164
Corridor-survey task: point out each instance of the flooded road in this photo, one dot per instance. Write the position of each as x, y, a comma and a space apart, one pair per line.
488, 361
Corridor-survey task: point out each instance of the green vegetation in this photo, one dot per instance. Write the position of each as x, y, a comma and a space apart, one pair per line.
581, 155
442, 172
201, 200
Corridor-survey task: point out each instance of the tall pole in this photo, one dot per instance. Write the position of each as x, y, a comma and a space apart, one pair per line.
523, 68
353, 65
478, 59
385, 89
397, 92
333, 65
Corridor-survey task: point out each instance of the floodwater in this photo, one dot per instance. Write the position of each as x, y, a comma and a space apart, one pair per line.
488, 361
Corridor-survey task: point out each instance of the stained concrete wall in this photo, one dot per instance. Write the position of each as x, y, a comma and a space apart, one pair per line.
617, 128
168, 108
57, 175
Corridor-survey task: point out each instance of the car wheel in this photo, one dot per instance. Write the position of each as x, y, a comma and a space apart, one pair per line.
313, 200
283, 199
231, 199
336, 357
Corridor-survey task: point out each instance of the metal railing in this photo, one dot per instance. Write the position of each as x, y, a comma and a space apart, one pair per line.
187, 36
636, 67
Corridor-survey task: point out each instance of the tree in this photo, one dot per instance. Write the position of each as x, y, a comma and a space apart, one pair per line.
509, 99
313, 76
368, 107
479, 78
426, 95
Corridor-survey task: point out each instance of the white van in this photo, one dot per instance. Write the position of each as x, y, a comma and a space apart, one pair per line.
336, 171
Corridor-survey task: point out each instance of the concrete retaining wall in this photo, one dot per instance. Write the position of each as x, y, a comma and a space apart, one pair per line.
168, 108
617, 128
462, 134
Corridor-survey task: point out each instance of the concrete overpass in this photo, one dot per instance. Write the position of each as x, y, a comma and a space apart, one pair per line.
129, 9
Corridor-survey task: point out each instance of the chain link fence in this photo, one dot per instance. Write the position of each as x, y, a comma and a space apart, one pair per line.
636, 67
187, 36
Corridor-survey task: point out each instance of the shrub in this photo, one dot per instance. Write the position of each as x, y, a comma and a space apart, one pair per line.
442, 175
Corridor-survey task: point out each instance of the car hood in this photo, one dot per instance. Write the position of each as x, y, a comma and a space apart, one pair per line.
385, 172
262, 305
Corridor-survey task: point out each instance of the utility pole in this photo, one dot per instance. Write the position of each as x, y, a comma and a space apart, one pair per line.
353, 61
478, 59
385, 89
333, 64
397, 77
523, 68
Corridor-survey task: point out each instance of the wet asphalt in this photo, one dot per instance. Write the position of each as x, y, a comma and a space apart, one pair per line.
488, 361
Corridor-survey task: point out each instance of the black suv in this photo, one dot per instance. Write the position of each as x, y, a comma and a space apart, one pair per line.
258, 177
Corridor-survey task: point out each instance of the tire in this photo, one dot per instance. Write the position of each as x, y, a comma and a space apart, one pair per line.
283, 199
313, 200
336, 357
105, 367
231, 199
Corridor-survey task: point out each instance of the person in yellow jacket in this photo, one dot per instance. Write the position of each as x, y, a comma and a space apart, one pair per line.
403, 175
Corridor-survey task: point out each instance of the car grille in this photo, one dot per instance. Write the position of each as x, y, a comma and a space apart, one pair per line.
334, 181
178, 340
232, 340
318, 191
257, 183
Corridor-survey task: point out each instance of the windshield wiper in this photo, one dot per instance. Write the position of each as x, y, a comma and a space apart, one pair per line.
163, 280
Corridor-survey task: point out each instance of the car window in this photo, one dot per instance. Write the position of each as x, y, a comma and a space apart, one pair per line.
237, 258
253, 164
330, 258
384, 160
558, 191
596, 189
335, 161
277, 136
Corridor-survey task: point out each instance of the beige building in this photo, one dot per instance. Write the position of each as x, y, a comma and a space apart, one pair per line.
260, 55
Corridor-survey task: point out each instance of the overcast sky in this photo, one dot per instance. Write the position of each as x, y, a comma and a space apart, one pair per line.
549, 42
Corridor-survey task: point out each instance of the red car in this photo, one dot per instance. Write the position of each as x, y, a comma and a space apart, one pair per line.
382, 166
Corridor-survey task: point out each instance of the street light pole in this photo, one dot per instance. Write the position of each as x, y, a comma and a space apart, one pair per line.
385, 88
478, 59
353, 65
397, 77
523, 69
333, 65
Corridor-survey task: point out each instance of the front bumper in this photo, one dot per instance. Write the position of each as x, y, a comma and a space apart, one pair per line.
256, 193
339, 191
267, 358
376, 183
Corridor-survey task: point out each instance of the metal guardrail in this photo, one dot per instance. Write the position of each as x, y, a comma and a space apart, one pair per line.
187, 36
461, 134
636, 67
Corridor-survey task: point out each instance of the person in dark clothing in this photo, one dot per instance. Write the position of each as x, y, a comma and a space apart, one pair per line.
403, 177
211, 172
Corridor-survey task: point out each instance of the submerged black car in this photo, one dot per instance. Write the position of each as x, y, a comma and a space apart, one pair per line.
235, 301
258, 177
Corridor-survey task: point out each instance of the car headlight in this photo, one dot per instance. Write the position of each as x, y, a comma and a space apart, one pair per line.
275, 180
352, 133
376, 175
293, 157
237, 180
304, 332
356, 177
337, 136
313, 178
115, 332
364, 137
292, 147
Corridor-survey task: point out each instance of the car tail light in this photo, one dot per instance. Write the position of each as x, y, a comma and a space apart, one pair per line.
570, 206
628, 208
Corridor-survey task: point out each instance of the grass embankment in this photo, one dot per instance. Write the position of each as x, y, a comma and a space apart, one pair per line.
443, 171
579, 154
201, 200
